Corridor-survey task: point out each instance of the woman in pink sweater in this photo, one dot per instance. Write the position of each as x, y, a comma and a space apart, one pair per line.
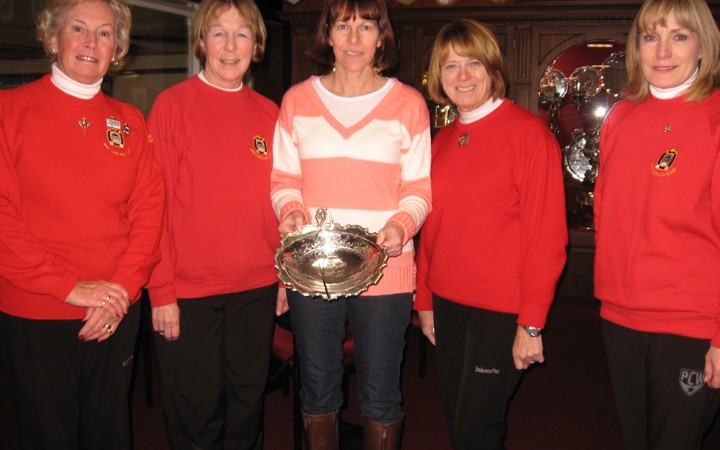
357, 143
657, 214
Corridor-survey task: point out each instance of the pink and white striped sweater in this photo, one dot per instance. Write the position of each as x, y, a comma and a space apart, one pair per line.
368, 174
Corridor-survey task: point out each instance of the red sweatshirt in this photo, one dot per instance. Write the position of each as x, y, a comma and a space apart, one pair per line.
214, 148
657, 213
497, 234
81, 198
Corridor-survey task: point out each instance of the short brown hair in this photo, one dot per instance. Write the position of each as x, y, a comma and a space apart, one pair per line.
51, 18
334, 10
210, 9
691, 14
470, 39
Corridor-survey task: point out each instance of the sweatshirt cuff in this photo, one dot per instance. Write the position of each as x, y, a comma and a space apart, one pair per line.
715, 341
423, 300
533, 315
161, 296
64, 286
131, 286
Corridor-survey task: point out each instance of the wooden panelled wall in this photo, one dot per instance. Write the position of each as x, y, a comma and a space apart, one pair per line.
531, 33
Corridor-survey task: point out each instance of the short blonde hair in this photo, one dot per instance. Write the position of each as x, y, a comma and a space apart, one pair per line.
53, 16
691, 14
470, 39
210, 9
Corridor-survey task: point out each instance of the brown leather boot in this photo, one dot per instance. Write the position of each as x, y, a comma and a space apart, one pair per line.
321, 431
382, 436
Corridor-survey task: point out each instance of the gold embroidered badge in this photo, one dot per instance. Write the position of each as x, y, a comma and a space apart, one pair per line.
260, 149
664, 168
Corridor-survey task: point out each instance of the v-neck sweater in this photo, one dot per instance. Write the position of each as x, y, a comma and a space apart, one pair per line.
373, 172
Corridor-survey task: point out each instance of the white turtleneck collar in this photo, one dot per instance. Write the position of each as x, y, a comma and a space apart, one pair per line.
72, 87
201, 75
673, 92
480, 112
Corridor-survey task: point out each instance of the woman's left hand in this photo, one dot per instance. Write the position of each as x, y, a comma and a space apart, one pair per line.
391, 237
99, 324
527, 350
281, 305
712, 367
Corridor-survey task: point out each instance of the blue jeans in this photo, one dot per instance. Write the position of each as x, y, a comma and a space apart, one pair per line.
378, 326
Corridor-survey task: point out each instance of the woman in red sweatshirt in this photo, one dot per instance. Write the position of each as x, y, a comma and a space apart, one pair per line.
81, 202
214, 292
657, 212
492, 249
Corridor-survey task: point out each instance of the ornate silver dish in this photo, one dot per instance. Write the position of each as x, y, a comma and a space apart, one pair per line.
615, 74
553, 86
575, 160
330, 261
587, 82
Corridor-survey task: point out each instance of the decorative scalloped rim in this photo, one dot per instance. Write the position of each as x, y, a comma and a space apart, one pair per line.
307, 229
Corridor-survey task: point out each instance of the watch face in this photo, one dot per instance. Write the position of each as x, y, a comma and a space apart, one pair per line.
533, 332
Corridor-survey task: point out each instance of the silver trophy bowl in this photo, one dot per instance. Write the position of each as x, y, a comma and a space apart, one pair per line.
330, 261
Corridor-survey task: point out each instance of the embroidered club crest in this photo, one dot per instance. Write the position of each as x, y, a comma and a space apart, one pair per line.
114, 134
666, 160
115, 139
260, 149
664, 164
691, 381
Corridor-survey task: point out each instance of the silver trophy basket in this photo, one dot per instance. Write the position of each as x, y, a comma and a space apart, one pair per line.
330, 261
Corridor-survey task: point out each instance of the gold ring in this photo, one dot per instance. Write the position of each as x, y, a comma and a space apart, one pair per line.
108, 328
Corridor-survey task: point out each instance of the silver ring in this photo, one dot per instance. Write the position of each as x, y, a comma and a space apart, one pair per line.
533, 361
107, 298
161, 332
108, 328
102, 305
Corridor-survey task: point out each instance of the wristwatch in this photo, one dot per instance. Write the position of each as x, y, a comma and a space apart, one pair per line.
531, 331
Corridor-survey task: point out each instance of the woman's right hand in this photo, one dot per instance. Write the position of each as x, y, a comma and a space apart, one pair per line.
166, 321
108, 296
427, 323
295, 221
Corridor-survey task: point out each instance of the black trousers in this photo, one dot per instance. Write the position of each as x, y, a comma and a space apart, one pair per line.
214, 375
69, 394
657, 381
477, 373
